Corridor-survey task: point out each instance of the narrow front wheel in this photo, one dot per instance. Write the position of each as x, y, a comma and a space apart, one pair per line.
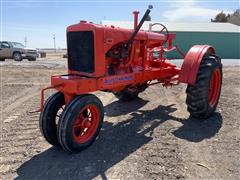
49, 117
80, 123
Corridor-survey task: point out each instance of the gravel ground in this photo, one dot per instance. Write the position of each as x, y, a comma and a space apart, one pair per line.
149, 138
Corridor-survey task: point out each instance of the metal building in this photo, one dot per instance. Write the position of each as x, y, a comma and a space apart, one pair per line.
225, 37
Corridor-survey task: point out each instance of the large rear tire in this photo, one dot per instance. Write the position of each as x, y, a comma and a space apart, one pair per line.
202, 98
130, 93
50, 116
80, 123
127, 94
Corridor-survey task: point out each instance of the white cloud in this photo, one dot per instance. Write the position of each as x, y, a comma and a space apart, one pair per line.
183, 4
189, 10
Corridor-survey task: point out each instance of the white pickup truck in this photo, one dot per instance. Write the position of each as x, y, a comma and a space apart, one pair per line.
16, 51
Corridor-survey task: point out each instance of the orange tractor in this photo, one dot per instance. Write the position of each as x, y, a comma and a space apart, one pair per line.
122, 61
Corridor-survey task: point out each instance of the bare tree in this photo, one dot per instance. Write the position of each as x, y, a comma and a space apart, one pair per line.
231, 18
221, 17
235, 17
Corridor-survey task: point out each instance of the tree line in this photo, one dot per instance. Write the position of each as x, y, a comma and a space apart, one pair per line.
233, 18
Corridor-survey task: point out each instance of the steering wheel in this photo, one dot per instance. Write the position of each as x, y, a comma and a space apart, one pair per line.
163, 28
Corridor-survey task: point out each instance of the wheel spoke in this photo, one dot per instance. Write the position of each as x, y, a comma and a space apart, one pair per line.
89, 113
77, 131
82, 124
77, 125
84, 131
81, 116
88, 124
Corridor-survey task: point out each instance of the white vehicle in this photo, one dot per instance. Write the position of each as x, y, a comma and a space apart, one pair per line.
16, 51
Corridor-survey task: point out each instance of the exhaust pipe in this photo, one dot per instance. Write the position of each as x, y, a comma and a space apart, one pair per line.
130, 41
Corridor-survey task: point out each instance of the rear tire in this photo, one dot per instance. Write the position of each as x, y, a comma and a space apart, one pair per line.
126, 95
130, 93
17, 56
80, 123
202, 98
49, 116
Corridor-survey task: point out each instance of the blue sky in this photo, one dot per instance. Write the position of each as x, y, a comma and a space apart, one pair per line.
38, 20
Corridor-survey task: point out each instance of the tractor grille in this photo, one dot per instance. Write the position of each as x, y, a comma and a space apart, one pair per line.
81, 51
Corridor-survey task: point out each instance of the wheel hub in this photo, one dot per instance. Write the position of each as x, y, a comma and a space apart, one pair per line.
86, 124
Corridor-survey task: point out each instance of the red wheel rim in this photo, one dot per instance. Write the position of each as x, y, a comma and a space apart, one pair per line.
86, 124
214, 88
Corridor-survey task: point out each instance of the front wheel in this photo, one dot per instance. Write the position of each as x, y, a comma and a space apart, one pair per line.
80, 123
202, 98
49, 117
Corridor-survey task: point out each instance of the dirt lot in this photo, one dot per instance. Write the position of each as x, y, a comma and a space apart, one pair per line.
150, 138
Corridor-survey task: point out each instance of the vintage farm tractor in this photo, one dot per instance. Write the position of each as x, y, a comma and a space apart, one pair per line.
121, 61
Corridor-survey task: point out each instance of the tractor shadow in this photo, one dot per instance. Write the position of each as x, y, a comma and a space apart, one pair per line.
119, 107
116, 142
195, 130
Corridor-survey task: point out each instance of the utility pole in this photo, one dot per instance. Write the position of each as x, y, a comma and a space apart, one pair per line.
54, 42
25, 41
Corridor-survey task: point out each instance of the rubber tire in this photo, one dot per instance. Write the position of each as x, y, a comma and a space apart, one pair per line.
126, 95
197, 95
65, 135
15, 58
47, 121
32, 59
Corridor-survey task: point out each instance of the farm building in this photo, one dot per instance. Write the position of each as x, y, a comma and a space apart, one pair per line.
225, 37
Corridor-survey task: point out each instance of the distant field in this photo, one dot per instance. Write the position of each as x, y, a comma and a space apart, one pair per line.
54, 55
